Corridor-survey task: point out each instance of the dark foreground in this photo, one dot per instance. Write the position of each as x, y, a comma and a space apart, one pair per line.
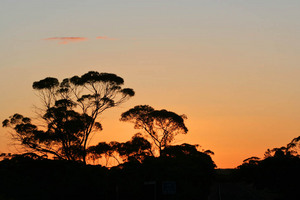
156, 178
227, 186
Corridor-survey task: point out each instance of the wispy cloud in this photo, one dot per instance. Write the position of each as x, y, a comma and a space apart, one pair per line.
66, 40
105, 38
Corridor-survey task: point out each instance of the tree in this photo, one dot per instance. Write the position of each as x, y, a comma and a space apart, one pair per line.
185, 149
70, 110
291, 149
161, 125
294, 146
136, 149
103, 149
251, 161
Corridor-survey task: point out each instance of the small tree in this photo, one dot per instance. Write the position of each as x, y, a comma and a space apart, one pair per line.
70, 110
103, 149
136, 149
161, 125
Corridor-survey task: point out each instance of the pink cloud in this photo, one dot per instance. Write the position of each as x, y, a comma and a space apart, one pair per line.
66, 40
105, 38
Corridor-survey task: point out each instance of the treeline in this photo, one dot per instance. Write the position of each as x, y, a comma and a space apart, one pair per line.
69, 115
57, 163
56, 159
278, 172
29, 176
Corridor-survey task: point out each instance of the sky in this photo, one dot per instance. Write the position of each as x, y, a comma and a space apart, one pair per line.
231, 66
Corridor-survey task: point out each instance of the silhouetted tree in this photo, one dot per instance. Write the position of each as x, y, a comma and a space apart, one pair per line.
161, 125
252, 160
70, 112
186, 150
277, 171
137, 149
294, 146
291, 149
106, 150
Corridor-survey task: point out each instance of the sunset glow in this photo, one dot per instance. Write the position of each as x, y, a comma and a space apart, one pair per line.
232, 67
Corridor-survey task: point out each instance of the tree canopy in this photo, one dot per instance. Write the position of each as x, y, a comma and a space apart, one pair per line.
135, 150
161, 125
70, 111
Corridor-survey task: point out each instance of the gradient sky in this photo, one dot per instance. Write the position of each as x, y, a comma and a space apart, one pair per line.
231, 66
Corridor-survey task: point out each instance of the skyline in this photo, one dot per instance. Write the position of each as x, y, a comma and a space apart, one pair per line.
232, 67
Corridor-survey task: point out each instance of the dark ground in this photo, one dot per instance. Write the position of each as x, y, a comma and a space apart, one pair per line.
227, 187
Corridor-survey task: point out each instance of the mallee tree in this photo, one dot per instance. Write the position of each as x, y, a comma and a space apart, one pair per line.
160, 125
70, 114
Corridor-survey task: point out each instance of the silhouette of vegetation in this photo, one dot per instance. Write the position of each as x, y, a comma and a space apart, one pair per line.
189, 168
54, 165
103, 149
29, 176
277, 172
69, 113
136, 149
184, 165
161, 125
69, 116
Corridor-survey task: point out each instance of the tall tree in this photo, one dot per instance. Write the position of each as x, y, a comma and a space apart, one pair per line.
70, 110
161, 125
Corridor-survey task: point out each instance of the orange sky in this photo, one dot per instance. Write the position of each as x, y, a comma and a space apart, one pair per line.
232, 67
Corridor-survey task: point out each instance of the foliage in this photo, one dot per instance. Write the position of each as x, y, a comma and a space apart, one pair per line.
136, 149
276, 172
291, 149
190, 169
161, 125
25, 177
30, 177
103, 149
70, 110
